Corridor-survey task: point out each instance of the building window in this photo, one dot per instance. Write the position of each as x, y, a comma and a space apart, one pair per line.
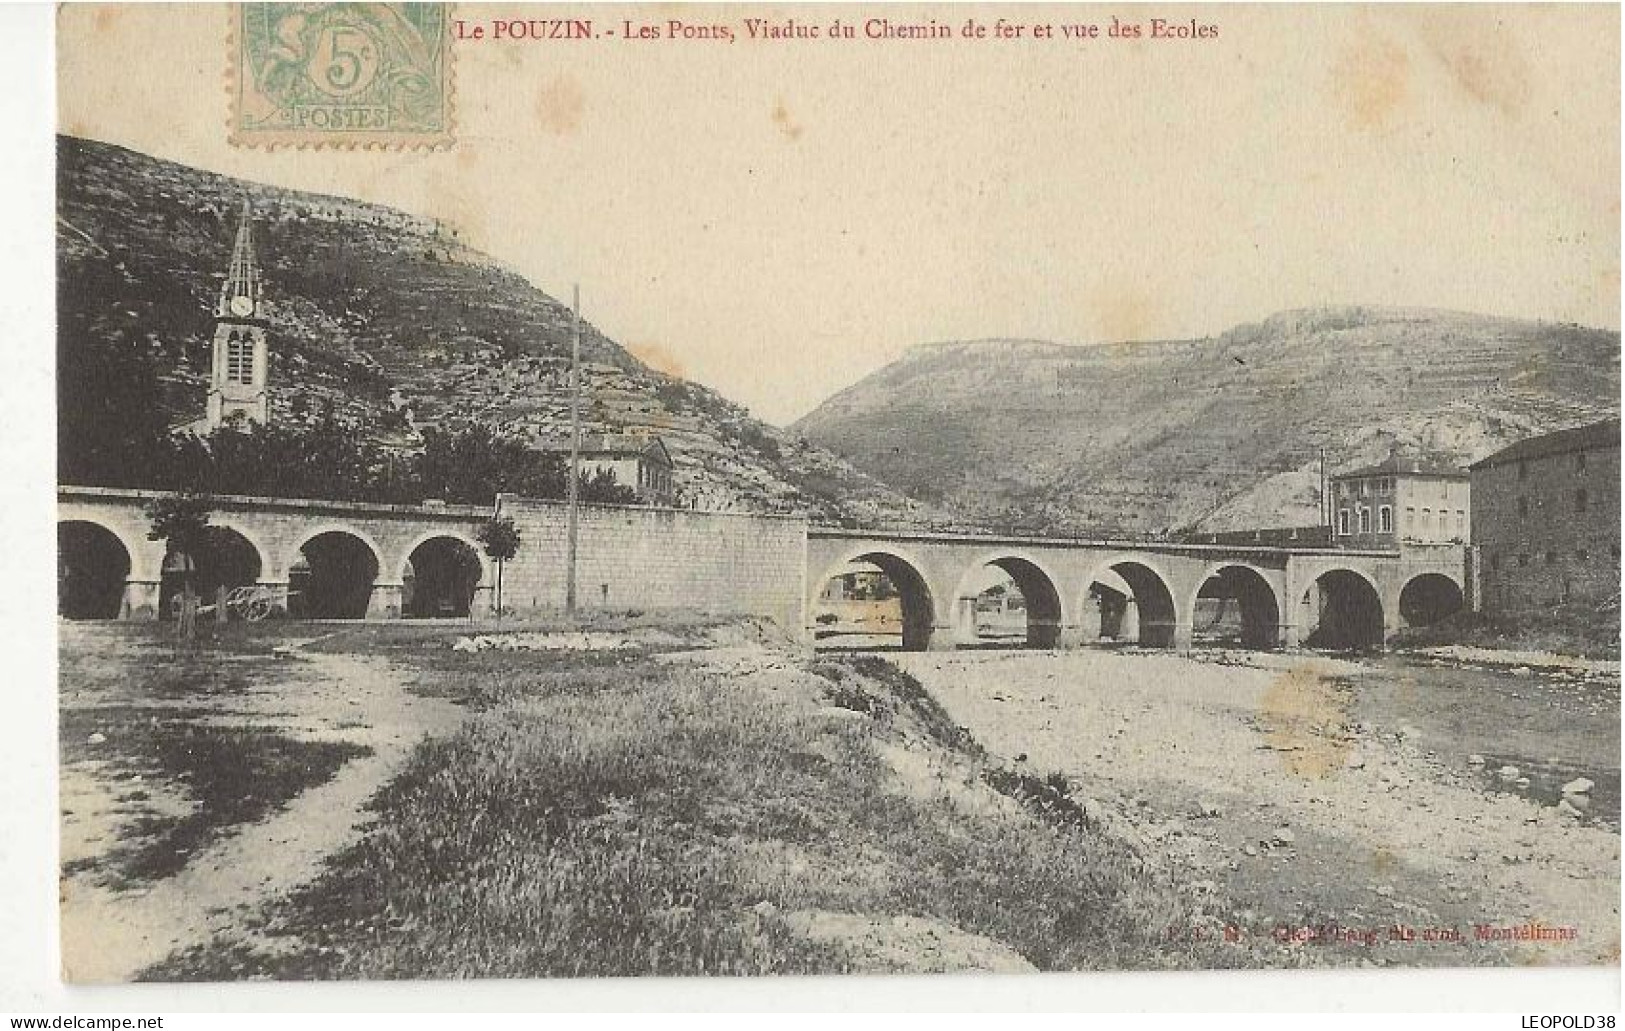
1342, 522
1427, 520
1410, 518
239, 359
1523, 507
1551, 558
1461, 522
1365, 487
1582, 555
1495, 562
1523, 560
1385, 520
1581, 500
1365, 520
1523, 469
1579, 461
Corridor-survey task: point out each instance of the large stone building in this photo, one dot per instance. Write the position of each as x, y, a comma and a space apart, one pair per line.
1546, 525
1401, 501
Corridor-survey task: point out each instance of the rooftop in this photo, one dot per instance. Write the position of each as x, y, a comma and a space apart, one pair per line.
627, 444
1579, 438
1404, 465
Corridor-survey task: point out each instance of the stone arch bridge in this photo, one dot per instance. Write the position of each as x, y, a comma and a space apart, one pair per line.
372, 561
1076, 591
274, 543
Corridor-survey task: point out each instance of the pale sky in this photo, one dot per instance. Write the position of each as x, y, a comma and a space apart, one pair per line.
776, 220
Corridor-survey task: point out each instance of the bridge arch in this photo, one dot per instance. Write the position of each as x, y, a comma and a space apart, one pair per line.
1343, 608
93, 563
1042, 605
229, 558
1259, 605
441, 571
331, 573
1144, 613
904, 573
1429, 597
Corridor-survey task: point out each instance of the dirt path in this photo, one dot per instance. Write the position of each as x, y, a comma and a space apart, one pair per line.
1311, 794
110, 934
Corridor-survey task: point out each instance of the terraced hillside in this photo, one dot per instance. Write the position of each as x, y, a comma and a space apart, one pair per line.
1217, 433
392, 321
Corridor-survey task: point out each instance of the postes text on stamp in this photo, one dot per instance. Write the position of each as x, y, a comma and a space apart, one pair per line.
342, 74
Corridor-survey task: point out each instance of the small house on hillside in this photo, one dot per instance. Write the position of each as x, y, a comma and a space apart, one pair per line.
642, 463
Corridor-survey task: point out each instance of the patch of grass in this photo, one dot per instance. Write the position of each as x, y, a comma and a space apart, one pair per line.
489, 678
655, 819
869, 684
144, 660
232, 775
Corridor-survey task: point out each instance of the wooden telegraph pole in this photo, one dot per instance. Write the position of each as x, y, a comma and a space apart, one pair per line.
574, 489
1325, 502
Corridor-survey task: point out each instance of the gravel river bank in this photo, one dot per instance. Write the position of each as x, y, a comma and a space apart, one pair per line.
1337, 799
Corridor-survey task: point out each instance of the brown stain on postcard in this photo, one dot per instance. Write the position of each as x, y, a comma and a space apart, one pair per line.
786, 125
1125, 313
1480, 55
1371, 83
657, 357
1305, 719
560, 106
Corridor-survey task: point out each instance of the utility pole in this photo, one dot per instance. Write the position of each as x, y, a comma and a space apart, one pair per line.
1325, 502
574, 489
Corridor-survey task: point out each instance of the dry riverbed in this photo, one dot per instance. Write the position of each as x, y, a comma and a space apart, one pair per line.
1335, 800
197, 783
647, 796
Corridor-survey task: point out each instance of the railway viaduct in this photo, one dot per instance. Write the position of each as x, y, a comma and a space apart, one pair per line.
1075, 590
369, 561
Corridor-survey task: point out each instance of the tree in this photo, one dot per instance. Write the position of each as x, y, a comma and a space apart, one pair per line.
603, 488
110, 427
326, 459
472, 465
181, 521
501, 540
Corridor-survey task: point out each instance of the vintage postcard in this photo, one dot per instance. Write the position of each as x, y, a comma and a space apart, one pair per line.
573, 491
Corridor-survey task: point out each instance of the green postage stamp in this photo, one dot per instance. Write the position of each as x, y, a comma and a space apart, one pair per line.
341, 74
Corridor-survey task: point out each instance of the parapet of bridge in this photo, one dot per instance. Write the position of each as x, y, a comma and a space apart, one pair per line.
1076, 590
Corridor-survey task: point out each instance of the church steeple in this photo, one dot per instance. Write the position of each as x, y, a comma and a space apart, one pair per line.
243, 280
238, 377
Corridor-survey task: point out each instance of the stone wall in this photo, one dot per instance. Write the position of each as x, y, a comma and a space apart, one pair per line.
1537, 548
659, 558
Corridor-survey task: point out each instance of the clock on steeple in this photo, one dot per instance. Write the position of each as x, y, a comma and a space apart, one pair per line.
238, 375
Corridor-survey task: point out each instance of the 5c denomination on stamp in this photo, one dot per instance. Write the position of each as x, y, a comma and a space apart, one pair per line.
342, 74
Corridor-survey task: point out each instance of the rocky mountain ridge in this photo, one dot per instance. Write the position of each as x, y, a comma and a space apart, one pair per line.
1223, 432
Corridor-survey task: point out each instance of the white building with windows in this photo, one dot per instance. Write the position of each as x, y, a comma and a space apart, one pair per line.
1401, 501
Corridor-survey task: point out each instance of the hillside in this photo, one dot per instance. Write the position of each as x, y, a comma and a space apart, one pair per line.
1217, 433
392, 321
